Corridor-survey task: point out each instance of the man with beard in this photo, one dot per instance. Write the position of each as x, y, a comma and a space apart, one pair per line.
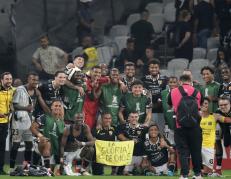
155, 83
73, 100
48, 129
110, 96
129, 78
6, 96
74, 139
24, 102
225, 88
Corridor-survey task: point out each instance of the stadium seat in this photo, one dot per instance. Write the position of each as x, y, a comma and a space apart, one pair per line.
165, 72
132, 19
119, 30
77, 51
199, 53
157, 21
176, 66
121, 42
105, 54
213, 42
212, 54
170, 12
154, 7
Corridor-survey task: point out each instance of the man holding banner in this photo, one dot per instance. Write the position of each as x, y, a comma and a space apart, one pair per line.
106, 132
132, 130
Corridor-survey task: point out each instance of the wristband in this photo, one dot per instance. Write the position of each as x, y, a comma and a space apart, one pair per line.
83, 143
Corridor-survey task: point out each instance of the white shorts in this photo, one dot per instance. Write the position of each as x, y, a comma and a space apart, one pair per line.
169, 135
136, 161
162, 168
20, 135
208, 157
70, 156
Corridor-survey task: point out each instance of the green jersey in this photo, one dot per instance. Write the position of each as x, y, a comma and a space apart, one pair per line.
110, 99
211, 89
73, 102
52, 129
132, 103
168, 113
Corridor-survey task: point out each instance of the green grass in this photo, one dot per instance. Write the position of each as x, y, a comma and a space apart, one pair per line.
226, 174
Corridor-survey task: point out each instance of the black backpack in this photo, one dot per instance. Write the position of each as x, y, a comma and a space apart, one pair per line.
187, 113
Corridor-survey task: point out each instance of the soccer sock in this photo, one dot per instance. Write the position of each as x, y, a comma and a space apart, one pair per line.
171, 167
13, 154
46, 160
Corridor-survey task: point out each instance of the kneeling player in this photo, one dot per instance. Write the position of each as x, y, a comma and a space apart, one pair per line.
156, 149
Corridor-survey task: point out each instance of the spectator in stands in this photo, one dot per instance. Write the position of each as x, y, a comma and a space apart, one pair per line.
106, 132
210, 88
127, 54
184, 48
48, 59
110, 96
183, 5
75, 138
6, 96
136, 101
129, 78
159, 155
223, 12
203, 22
89, 53
188, 140
133, 130
85, 19
48, 129
154, 83
142, 31
220, 62
143, 63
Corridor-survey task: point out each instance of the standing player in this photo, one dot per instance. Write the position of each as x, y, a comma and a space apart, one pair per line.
136, 101
129, 78
24, 102
110, 96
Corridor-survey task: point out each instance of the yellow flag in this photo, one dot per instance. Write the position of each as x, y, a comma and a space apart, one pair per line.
114, 153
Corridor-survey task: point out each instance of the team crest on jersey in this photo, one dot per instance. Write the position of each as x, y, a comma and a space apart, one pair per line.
110, 132
137, 106
114, 99
138, 132
160, 82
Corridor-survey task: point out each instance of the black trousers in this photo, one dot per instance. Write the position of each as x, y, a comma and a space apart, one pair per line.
3, 136
188, 142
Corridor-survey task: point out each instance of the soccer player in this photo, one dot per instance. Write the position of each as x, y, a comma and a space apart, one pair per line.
154, 82
156, 160
136, 101
211, 88
75, 138
106, 132
208, 126
133, 130
110, 96
73, 100
48, 129
24, 102
129, 78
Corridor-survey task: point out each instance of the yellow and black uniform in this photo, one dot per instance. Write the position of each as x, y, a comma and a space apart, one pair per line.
5, 103
107, 134
208, 126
